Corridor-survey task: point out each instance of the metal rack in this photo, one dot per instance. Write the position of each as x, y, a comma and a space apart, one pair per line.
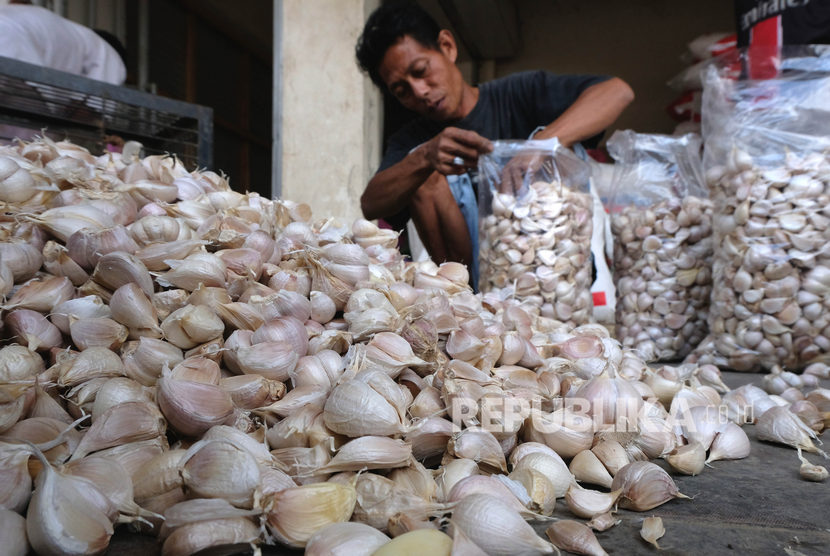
36, 100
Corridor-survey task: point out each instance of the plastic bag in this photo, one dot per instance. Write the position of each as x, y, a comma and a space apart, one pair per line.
535, 245
767, 159
661, 219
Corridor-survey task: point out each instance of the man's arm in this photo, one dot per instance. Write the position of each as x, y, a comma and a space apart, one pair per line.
594, 110
390, 190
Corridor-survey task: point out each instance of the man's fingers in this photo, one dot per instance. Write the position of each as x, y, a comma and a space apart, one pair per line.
470, 139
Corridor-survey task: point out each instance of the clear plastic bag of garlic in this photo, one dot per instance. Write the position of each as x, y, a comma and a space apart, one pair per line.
661, 219
767, 163
535, 230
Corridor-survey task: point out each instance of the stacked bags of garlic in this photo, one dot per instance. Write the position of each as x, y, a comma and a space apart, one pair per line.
767, 160
218, 369
535, 229
661, 219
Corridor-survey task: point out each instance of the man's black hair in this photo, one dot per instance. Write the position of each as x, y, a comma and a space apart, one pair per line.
387, 24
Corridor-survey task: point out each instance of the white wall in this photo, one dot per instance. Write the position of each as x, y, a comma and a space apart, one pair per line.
638, 40
331, 113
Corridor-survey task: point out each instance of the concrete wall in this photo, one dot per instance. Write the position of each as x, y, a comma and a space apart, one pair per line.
331, 113
638, 40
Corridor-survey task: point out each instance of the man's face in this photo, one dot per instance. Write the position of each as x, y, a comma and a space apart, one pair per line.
424, 80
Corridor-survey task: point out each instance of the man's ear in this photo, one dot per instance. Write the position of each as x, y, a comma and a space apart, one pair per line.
446, 42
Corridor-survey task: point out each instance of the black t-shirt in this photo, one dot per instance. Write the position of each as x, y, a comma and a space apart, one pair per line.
801, 21
508, 108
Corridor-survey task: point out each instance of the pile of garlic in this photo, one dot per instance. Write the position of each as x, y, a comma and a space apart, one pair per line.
662, 272
215, 368
537, 249
771, 268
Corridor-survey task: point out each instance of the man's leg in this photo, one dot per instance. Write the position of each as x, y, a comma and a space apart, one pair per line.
440, 223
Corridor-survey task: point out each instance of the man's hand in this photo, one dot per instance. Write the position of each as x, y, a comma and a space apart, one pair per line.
532, 165
454, 150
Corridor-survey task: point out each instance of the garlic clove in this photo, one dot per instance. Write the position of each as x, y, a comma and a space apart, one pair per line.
144, 360
116, 269
419, 541
540, 490
574, 537
603, 522
369, 452
32, 329
216, 468
13, 533
191, 408
238, 533
192, 325
252, 391
451, 473
295, 514
416, 479
296, 399
402, 523
97, 332
429, 437
131, 307
354, 408
121, 424
589, 503
158, 475
731, 442
345, 539
652, 530
689, 459
273, 359
41, 294
526, 448
779, 424
93, 362
485, 484
644, 486
19, 363
478, 445
612, 455
810, 472
116, 391
64, 517
497, 528
553, 468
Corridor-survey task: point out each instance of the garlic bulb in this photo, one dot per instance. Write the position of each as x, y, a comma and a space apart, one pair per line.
574, 537
497, 528
644, 486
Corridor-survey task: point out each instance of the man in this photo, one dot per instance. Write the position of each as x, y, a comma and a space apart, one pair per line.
39, 36
425, 169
